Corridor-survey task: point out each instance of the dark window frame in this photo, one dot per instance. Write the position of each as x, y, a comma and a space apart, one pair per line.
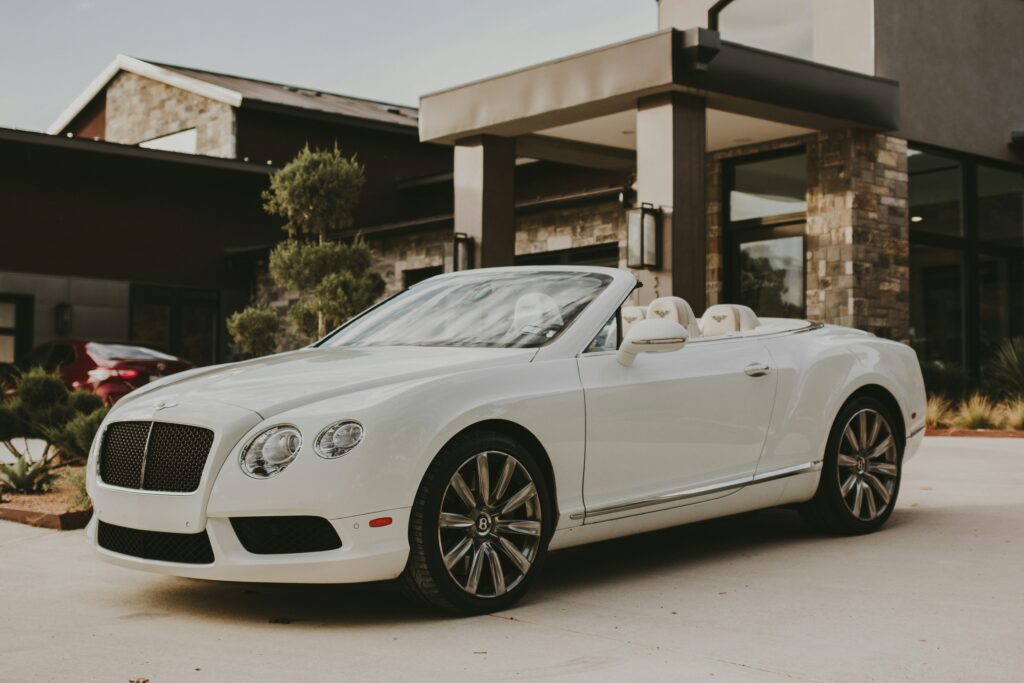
970, 246
24, 323
177, 299
736, 233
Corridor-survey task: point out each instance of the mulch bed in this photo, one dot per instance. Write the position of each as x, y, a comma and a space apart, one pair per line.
55, 509
997, 433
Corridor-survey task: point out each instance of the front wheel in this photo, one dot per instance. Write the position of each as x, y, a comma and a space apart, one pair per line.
479, 525
861, 471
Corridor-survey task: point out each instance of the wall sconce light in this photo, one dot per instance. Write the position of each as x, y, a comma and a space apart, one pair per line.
63, 319
643, 237
458, 253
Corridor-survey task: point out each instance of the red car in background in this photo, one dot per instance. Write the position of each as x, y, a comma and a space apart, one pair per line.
109, 369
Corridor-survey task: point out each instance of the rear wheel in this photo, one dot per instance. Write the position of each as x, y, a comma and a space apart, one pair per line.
479, 526
861, 471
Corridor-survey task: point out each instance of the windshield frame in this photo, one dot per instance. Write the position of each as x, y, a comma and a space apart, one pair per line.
615, 281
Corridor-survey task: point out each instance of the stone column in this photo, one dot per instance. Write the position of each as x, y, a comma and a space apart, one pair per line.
858, 250
484, 182
670, 139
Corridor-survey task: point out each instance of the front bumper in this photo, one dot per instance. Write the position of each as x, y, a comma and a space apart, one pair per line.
366, 554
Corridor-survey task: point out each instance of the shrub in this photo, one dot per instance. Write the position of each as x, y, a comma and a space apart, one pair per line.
76, 479
937, 413
26, 476
84, 402
977, 412
1013, 414
1006, 369
74, 438
255, 330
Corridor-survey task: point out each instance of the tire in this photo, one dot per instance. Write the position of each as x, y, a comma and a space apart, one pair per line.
468, 555
859, 485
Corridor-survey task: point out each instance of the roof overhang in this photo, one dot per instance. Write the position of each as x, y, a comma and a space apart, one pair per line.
733, 78
148, 70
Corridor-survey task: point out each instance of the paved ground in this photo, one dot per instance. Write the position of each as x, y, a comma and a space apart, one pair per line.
937, 595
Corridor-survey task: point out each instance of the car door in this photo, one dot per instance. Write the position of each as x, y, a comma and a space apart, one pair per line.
673, 423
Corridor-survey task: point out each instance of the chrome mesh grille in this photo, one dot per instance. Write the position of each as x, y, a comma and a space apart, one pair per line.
154, 456
156, 545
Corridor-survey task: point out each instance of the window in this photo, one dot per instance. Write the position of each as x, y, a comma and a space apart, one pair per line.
183, 322
966, 256
766, 207
8, 326
15, 326
414, 275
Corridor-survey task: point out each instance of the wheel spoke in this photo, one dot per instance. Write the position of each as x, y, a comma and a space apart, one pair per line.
522, 562
858, 498
463, 491
483, 479
876, 428
846, 460
458, 552
882, 448
878, 486
452, 520
869, 498
505, 478
885, 468
851, 437
848, 485
518, 498
862, 425
497, 573
526, 527
476, 566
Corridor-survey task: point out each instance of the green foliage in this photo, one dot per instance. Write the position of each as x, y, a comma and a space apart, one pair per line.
26, 475
40, 392
255, 330
74, 438
316, 192
76, 479
84, 402
12, 421
1006, 370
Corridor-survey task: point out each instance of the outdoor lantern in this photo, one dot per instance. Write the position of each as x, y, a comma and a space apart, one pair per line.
643, 237
458, 253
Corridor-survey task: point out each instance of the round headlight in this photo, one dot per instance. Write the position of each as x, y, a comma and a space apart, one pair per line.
338, 439
271, 451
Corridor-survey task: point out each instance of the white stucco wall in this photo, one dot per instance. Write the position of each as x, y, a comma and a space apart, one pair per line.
839, 33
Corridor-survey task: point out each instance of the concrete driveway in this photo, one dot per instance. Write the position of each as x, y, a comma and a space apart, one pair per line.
937, 595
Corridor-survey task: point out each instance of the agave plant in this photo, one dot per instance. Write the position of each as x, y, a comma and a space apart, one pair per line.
27, 476
1006, 370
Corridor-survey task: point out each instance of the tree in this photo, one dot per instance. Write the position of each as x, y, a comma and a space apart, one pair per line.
317, 193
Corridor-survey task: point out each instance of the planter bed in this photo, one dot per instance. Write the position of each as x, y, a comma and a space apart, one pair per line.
997, 433
54, 509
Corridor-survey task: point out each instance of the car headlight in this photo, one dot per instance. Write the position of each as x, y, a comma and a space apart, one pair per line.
338, 439
271, 451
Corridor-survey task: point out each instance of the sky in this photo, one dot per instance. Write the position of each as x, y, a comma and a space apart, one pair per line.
389, 50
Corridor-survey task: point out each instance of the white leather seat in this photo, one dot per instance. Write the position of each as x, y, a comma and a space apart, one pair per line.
725, 318
631, 315
677, 310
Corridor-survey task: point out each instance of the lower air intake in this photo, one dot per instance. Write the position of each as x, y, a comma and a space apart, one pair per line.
283, 535
156, 545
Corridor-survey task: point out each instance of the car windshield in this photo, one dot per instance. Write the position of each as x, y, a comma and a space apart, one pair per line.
524, 309
124, 352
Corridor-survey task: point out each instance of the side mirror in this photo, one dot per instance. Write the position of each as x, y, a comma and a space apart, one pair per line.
652, 336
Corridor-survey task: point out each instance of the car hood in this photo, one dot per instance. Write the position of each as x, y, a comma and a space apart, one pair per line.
284, 381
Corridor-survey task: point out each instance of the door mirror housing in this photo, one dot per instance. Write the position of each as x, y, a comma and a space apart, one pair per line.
652, 336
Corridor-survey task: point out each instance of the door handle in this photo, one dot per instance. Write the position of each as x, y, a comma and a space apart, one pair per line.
757, 370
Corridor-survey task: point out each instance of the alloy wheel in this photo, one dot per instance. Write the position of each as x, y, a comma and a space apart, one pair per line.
489, 527
867, 464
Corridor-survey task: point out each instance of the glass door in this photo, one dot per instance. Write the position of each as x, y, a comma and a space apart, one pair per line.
15, 327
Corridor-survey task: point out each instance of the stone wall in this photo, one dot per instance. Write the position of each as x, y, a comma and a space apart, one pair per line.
396, 254
140, 109
858, 248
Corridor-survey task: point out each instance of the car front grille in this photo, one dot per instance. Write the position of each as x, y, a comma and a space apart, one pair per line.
282, 535
156, 545
154, 456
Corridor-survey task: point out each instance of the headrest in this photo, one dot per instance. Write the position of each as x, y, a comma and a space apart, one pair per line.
677, 310
724, 318
631, 315
536, 309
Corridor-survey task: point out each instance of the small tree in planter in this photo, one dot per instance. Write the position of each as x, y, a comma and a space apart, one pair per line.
317, 193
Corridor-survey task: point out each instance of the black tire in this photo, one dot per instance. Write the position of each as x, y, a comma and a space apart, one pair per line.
426, 576
833, 512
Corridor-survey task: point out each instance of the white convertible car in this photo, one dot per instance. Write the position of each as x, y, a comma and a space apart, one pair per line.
456, 432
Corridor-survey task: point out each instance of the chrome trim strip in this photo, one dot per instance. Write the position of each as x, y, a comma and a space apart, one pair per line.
145, 456
917, 431
757, 478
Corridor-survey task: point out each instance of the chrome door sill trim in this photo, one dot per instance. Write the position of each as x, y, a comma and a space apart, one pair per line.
706, 490
914, 433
